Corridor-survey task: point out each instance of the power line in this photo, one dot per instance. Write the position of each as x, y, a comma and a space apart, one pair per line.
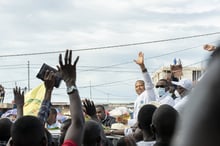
104, 84
152, 57
114, 66
113, 46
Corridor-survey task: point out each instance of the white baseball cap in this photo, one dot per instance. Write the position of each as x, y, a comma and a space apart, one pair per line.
185, 83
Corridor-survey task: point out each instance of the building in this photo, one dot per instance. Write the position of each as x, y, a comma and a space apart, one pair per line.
192, 73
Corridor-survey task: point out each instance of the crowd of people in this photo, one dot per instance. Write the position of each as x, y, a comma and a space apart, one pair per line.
173, 112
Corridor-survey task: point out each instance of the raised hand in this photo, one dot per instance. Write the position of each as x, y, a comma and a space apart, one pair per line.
18, 96
49, 80
68, 70
90, 107
209, 47
140, 59
19, 100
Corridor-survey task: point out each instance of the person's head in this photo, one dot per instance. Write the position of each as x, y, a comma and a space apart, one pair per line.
5, 127
126, 141
28, 131
183, 87
100, 112
145, 119
139, 86
164, 122
52, 116
64, 127
92, 134
162, 87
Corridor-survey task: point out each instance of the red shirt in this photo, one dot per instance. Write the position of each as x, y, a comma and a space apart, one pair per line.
69, 142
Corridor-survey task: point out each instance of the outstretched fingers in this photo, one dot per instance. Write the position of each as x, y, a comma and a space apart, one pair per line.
70, 56
75, 62
66, 57
60, 61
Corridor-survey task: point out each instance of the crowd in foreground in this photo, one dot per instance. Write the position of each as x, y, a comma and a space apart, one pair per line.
183, 117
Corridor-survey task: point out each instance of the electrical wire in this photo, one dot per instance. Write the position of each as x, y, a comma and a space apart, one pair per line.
153, 57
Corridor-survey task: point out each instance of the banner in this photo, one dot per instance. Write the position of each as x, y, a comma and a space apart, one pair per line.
33, 100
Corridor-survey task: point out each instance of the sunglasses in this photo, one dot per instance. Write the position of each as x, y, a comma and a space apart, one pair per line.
160, 86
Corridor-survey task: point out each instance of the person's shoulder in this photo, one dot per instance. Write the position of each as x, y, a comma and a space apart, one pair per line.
111, 117
145, 143
170, 98
69, 143
143, 94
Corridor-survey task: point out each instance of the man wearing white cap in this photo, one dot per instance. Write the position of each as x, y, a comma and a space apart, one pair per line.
184, 86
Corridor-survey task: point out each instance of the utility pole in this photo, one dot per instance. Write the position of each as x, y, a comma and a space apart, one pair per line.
28, 75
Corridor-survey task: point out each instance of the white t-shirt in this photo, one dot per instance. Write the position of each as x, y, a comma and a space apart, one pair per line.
177, 100
181, 104
145, 143
54, 125
145, 97
166, 99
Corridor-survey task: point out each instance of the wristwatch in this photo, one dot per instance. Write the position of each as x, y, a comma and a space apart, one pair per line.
71, 89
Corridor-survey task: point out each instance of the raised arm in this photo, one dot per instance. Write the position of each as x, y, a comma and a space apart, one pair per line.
147, 79
68, 73
49, 82
19, 100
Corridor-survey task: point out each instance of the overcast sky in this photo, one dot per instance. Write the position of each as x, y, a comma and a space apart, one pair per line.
104, 74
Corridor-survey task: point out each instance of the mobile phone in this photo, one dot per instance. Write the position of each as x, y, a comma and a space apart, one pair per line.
43, 70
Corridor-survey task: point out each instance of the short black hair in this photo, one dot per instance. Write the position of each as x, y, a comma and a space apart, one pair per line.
126, 141
28, 130
92, 133
100, 106
164, 121
5, 128
53, 111
145, 117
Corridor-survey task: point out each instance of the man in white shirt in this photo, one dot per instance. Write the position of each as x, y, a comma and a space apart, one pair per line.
144, 89
164, 96
184, 86
52, 122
